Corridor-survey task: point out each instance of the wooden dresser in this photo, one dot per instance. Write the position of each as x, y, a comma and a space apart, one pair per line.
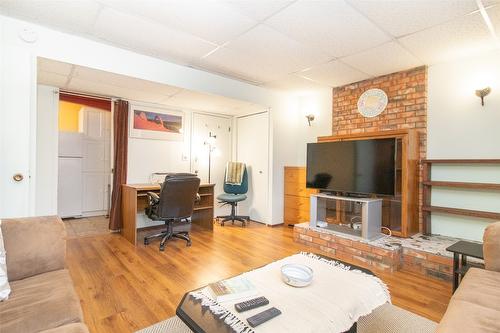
296, 196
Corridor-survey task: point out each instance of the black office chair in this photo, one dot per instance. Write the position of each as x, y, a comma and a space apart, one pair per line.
174, 206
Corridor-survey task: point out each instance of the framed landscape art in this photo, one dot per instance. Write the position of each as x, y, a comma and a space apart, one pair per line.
146, 122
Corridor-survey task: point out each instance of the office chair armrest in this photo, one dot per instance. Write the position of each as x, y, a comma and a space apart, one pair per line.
153, 198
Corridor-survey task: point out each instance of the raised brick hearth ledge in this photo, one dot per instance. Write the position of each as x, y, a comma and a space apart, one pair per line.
420, 254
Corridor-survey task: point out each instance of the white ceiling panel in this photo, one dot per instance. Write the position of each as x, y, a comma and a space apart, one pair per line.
258, 9
461, 37
494, 15
400, 18
75, 15
294, 82
56, 67
123, 81
333, 26
52, 79
204, 102
255, 55
210, 20
384, 59
149, 37
334, 74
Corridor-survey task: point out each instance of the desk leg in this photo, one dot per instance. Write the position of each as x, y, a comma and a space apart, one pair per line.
456, 261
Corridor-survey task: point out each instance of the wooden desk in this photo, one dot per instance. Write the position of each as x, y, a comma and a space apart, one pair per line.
134, 200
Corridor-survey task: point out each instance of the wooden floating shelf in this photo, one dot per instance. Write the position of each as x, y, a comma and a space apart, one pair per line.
462, 212
477, 186
464, 161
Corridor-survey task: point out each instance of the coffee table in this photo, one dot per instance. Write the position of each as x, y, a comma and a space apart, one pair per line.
201, 320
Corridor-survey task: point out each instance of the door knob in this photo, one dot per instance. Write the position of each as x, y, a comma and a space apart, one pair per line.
18, 177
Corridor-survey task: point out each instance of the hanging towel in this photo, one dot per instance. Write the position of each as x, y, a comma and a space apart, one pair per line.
234, 173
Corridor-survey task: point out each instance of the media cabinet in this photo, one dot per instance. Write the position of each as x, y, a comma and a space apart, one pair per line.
400, 211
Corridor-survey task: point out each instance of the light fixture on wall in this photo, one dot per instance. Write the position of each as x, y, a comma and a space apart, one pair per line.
309, 117
211, 148
482, 93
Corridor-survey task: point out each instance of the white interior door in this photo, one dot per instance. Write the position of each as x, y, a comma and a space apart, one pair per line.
203, 126
253, 149
96, 127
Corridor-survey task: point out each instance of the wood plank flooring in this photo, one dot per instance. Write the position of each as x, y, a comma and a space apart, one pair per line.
125, 288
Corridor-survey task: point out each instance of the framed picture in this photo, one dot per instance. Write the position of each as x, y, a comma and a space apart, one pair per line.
147, 122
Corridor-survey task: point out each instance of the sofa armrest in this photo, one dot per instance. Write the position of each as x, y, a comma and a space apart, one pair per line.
491, 247
34, 245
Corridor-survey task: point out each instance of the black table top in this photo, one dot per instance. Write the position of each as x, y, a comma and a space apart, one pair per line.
467, 248
200, 320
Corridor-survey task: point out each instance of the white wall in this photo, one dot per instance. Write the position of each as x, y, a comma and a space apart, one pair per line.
291, 133
460, 128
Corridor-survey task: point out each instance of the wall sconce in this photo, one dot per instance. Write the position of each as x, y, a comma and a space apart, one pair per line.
482, 93
309, 117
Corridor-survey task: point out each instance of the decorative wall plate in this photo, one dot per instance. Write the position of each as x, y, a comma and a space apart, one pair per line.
372, 102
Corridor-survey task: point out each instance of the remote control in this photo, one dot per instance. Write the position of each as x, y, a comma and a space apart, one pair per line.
263, 316
251, 304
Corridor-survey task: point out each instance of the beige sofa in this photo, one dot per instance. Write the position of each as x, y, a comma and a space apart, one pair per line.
42, 298
475, 305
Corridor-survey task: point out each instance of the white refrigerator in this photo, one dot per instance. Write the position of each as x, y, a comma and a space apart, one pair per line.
69, 198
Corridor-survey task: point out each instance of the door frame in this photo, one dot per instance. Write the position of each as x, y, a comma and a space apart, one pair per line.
268, 213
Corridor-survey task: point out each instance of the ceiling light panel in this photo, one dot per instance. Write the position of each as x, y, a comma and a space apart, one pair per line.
334, 74
75, 16
209, 20
149, 37
384, 59
464, 36
400, 18
333, 26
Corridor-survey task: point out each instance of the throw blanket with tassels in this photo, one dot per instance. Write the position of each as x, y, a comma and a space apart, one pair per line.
234, 173
333, 302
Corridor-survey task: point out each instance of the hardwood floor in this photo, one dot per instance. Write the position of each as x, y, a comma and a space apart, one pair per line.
125, 288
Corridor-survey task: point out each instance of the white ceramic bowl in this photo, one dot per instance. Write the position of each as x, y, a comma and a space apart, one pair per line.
296, 275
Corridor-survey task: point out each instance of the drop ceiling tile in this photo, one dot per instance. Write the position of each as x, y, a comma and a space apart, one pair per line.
263, 54
333, 26
148, 37
210, 20
334, 74
123, 81
400, 18
494, 15
75, 15
384, 59
258, 9
464, 36
187, 99
52, 79
53, 66
295, 83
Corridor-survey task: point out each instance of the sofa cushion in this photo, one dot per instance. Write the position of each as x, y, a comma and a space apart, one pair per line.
475, 304
70, 328
491, 247
39, 303
34, 245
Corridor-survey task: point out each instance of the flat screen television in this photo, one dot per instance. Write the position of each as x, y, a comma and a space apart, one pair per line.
360, 166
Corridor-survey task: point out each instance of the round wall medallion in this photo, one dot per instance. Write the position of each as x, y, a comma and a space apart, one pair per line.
372, 102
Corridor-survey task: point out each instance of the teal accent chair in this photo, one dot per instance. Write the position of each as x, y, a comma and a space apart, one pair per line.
234, 194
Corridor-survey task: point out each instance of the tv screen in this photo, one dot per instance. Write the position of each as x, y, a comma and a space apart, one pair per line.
361, 166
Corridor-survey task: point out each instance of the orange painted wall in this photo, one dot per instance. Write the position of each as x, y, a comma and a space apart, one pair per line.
68, 116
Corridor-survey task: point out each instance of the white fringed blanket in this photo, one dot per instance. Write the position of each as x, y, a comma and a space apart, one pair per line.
333, 302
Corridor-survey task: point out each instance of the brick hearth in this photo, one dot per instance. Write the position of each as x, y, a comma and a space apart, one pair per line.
389, 254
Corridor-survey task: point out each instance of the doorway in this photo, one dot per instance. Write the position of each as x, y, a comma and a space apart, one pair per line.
253, 149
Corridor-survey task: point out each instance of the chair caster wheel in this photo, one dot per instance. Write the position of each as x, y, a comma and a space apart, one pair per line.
162, 248
188, 244
146, 242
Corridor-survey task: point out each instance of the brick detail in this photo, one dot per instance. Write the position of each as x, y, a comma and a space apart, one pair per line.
406, 108
375, 258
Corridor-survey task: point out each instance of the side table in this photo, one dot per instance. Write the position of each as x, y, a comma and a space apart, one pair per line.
461, 250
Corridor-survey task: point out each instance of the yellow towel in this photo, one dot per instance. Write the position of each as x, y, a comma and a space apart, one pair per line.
234, 173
